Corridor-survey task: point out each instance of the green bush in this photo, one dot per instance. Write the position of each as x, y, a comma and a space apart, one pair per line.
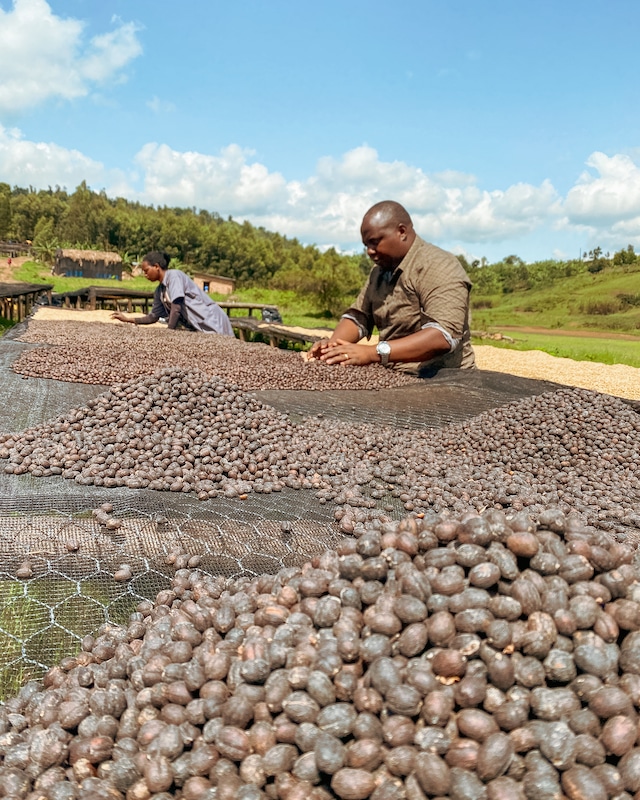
481, 302
602, 307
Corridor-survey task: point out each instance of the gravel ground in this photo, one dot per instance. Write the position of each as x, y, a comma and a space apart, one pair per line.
617, 379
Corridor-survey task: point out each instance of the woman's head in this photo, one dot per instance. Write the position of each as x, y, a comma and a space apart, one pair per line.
155, 264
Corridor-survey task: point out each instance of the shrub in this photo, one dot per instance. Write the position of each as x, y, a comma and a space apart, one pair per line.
629, 299
481, 302
601, 307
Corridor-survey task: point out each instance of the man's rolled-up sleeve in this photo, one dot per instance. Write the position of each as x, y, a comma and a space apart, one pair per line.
446, 307
360, 312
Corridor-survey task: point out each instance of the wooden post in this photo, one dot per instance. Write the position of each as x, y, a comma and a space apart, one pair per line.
92, 299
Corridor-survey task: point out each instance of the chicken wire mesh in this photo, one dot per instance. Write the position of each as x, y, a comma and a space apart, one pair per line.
70, 589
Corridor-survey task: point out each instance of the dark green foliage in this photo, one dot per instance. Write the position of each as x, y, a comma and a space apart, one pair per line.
5, 210
629, 299
601, 307
627, 256
332, 279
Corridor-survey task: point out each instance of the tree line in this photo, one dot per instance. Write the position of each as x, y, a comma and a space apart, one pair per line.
199, 241
512, 275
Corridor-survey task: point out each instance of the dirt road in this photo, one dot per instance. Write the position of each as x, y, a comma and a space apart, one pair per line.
7, 272
579, 334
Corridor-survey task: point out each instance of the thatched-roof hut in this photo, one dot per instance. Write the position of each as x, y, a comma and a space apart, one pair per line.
87, 264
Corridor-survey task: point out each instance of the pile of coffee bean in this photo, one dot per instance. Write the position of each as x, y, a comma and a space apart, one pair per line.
104, 354
185, 432
180, 432
484, 657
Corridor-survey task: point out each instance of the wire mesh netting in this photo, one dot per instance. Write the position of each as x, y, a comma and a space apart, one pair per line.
71, 585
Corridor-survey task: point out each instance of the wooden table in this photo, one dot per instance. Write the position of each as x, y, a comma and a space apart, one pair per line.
17, 299
274, 333
249, 307
92, 297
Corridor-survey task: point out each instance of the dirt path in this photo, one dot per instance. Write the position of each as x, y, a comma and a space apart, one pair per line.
7, 271
578, 334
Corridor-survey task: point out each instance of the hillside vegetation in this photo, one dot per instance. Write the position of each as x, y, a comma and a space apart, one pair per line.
598, 294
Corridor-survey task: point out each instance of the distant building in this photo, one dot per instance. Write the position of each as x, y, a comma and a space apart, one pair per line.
214, 283
87, 264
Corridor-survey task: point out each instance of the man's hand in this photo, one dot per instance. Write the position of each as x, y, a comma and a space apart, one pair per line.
120, 316
318, 348
343, 352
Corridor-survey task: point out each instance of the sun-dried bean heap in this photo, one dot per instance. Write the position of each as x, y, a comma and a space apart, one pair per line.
181, 431
481, 657
104, 354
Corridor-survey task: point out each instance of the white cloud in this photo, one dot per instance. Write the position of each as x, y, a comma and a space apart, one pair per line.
226, 182
327, 207
614, 194
43, 56
159, 106
605, 207
42, 164
109, 52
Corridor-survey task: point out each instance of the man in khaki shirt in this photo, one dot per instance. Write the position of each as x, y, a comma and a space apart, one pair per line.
417, 296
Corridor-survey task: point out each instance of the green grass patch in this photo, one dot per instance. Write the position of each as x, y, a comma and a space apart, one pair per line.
579, 348
295, 309
33, 272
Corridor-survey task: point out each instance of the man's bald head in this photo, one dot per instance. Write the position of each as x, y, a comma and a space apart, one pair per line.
387, 233
387, 213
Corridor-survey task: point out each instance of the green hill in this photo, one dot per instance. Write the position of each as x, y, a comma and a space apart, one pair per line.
607, 300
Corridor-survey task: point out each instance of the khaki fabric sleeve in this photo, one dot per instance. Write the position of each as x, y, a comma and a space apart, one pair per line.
444, 297
360, 312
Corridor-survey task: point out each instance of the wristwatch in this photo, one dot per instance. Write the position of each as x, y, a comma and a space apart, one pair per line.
383, 349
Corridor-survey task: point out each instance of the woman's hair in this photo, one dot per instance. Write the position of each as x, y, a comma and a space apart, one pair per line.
157, 259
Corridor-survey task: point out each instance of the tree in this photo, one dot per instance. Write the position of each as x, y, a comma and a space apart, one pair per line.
5, 215
466, 266
597, 261
85, 222
627, 256
513, 261
45, 242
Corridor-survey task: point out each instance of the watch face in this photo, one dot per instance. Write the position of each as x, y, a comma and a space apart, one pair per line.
384, 348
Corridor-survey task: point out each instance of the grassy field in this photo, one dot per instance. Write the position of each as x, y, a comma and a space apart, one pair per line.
31, 272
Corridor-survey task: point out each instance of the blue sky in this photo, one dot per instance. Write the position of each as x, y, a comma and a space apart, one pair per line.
503, 127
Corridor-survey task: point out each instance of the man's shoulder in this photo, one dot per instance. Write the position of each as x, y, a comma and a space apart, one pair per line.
426, 254
432, 250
